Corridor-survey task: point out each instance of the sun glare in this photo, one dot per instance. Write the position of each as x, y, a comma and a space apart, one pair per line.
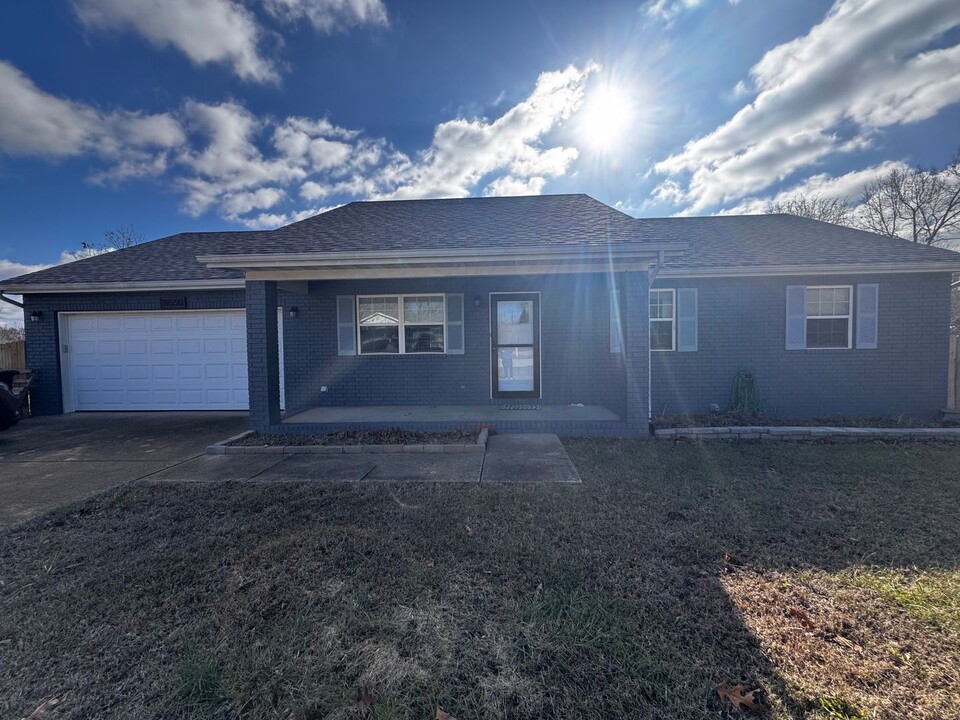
605, 118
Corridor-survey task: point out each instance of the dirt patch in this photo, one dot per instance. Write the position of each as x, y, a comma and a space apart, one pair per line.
360, 437
735, 419
821, 575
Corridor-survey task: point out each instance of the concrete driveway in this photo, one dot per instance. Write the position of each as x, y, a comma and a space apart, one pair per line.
49, 461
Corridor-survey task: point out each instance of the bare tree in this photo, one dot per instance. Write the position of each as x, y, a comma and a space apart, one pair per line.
815, 207
121, 237
10, 333
919, 204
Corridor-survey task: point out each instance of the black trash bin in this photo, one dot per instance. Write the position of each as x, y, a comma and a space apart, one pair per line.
7, 376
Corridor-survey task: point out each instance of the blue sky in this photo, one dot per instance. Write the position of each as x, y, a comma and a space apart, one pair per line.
230, 114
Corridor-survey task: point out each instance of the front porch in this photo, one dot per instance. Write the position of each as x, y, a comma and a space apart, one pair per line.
509, 417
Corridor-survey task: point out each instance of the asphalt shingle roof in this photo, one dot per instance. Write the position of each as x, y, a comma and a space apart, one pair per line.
545, 221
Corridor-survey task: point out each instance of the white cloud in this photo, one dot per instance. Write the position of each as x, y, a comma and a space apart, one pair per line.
240, 203
509, 185
33, 122
224, 158
464, 151
869, 63
270, 221
11, 314
330, 15
206, 31
849, 185
668, 10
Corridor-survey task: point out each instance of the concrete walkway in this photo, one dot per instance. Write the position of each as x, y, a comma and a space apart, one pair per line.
508, 459
48, 461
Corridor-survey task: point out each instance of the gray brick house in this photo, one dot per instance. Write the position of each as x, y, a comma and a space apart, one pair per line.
550, 313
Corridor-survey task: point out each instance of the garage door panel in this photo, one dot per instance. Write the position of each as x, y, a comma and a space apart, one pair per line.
157, 360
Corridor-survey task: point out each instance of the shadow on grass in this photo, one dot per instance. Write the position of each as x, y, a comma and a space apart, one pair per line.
789, 568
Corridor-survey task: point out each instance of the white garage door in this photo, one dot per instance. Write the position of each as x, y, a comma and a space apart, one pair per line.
194, 360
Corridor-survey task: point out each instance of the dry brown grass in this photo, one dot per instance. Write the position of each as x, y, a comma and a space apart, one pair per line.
825, 575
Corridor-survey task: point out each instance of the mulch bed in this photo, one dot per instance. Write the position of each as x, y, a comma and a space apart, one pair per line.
735, 419
359, 437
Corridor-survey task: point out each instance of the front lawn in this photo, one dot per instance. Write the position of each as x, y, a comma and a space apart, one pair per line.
826, 576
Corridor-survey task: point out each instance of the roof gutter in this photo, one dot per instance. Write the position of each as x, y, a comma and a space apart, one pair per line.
852, 269
10, 300
146, 286
421, 257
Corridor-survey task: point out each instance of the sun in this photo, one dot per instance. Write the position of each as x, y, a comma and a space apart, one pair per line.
606, 118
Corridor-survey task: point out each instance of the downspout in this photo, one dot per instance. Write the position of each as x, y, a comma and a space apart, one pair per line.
651, 276
11, 300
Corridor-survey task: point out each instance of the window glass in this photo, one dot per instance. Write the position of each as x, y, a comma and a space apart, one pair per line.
423, 338
661, 336
419, 328
661, 319
828, 317
422, 309
379, 311
828, 332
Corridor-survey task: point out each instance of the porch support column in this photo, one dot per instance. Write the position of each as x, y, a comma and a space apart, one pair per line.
263, 355
635, 314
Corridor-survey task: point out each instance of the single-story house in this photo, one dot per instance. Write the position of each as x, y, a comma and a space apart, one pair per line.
551, 313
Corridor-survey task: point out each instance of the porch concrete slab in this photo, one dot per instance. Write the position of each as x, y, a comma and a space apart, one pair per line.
325, 468
427, 467
533, 458
218, 468
451, 413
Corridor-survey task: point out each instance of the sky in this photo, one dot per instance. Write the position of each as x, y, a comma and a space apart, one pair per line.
235, 114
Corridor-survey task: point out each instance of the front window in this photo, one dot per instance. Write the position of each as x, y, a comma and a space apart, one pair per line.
662, 319
828, 317
401, 324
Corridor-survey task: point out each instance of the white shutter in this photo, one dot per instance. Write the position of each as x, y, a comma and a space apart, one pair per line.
796, 317
346, 325
687, 320
868, 297
453, 332
616, 329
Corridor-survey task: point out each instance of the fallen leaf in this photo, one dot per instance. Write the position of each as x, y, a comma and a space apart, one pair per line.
802, 618
364, 702
443, 715
44, 709
841, 640
740, 696
470, 530
430, 563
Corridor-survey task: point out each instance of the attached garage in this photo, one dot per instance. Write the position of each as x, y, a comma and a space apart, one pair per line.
166, 360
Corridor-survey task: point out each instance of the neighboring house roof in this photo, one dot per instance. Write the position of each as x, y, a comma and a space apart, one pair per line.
716, 245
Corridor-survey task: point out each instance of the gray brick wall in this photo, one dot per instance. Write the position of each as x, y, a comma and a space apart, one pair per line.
263, 360
577, 365
742, 324
43, 338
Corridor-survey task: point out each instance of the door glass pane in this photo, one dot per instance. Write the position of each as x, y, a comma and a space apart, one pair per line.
515, 322
515, 369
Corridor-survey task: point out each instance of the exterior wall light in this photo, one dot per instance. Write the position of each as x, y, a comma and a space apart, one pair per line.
476, 301
293, 311
36, 316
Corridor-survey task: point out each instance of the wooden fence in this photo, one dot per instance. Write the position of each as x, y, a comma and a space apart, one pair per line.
13, 355
953, 384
